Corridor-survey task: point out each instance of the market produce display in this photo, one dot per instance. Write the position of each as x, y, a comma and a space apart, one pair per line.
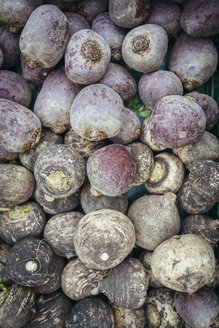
109, 164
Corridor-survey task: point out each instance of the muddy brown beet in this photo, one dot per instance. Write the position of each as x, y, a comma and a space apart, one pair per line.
145, 47
125, 318
129, 13
9, 44
104, 238
194, 60
59, 171
20, 128
54, 100
114, 35
120, 80
44, 37
91, 203
4, 274
87, 57
111, 170
177, 121
91, 8
103, 109
76, 22
14, 87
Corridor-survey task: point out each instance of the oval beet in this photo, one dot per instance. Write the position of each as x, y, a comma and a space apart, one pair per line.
177, 121
44, 37
54, 100
111, 170
103, 109
129, 13
14, 87
145, 47
20, 128
76, 22
9, 44
113, 34
91, 8
87, 57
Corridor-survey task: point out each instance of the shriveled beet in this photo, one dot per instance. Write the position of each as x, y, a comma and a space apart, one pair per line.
15, 14
54, 100
104, 238
78, 281
207, 147
155, 219
160, 310
53, 205
16, 185
20, 128
200, 18
114, 35
111, 170
166, 14
59, 171
199, 309
194, 60
145, 47
7, 156
91, 203
103, 109
203, 225
156, 85
76, 22
146, 137
130, 130
209, 106
59, 233
14, 87
129, 13
93, 310
87, 57
27, 220
144, 160
125, 318
9, 44
34, 75
19, 301
44, 37
51, 311
120, 80
177, 121
28, 262
91, 8
83, 146
28, 157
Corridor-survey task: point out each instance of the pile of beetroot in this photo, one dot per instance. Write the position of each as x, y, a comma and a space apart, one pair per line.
107, 217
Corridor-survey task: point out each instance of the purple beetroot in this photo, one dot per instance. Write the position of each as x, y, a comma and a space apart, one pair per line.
9, 44
76, 22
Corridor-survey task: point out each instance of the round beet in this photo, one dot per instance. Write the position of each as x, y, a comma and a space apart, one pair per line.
14, 14
87, 57
9, 44
111, 170
54, 100
44, 37
145, 47
199, 309
177, 121
166, 14
209, 106
194, 60
91, 8
200, 17
156, 85
20, 128
76, 22
120, 80
113, 34
14, 87
129, 13
97, 112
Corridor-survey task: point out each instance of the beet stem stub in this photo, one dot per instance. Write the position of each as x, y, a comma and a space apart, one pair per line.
140, 44
91, 51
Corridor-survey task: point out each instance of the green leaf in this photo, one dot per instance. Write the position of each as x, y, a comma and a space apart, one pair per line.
13, 162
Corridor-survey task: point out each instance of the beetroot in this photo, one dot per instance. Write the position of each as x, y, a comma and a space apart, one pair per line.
44, 37
76, 22
97, 112
9, 44
91, 8
111, 170
1, 58
87, 57
177, 121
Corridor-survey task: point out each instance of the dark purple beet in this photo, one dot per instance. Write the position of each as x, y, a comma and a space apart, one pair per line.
76, 22
9, 44
91, 8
